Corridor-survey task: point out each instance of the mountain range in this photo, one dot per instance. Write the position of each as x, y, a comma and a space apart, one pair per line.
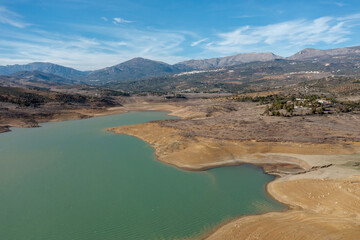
38, 76
229, 61
45, 67
311, 53
135, 68
35, 79
139, 68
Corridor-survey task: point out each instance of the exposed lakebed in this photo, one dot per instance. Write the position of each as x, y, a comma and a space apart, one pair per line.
75, 180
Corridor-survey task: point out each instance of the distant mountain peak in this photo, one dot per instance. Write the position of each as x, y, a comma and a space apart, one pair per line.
141, 60
309, 53
132, 69
38, 76
44, 67
140, 67
230, 60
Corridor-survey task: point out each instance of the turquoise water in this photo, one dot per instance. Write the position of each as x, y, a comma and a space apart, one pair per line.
74, 180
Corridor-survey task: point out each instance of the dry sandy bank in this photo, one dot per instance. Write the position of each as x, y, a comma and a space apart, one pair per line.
319, 182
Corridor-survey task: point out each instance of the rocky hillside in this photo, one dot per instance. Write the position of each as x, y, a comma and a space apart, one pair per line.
133, 69
140, 68
44, 67
341, 54
41, 77
229, 61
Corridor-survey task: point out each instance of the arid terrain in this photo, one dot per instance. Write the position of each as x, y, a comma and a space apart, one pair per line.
296, 119
316, 158
195, 89
316, 155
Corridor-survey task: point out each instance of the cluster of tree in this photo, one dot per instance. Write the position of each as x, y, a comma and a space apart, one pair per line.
275, 109
346, 106
298, 105
37, 97
273, 98
24, 99
20, 97
175, 96
113, 93
67, 98
334, 85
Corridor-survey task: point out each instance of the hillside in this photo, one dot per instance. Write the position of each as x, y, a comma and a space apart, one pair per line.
248, 77
229, 61
42, 77
133, 69
36, 79
338, 55
140, 68
44, 67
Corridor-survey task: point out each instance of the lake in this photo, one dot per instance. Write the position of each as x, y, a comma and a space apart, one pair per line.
74, 180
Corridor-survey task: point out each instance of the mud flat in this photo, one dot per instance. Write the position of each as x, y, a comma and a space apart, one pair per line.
320, 182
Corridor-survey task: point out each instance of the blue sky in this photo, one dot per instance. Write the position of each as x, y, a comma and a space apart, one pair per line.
94, 34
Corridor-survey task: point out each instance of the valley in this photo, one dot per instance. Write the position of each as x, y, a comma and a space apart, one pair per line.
297, 118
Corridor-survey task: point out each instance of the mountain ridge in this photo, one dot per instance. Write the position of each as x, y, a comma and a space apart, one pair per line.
135, 68
38, 76
230, 60
309, 53
138, 68
45, 67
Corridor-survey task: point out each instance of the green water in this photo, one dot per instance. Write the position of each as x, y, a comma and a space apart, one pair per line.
74, 180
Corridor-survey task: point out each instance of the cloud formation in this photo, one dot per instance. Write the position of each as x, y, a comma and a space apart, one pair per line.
88, 46
11, 18
297, 33
90, 53
120, 20
193, 44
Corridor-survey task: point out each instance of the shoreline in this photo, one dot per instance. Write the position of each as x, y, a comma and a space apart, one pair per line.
79, 114
298, 162
233, 220
305, 171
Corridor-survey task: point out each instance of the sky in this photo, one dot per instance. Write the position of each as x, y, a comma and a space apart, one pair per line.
93, 34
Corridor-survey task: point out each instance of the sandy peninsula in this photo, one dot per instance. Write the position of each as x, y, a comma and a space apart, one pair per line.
319, 179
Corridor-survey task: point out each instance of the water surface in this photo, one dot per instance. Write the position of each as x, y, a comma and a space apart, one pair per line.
74, 180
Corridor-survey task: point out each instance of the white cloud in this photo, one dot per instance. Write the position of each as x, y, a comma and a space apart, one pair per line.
287, 34
193, 44
105, 19
11, 18
120, 20
110, 45
90, 53
351, 17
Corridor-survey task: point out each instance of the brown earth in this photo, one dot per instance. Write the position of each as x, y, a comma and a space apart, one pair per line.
199, 153
319, 177
322, 209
